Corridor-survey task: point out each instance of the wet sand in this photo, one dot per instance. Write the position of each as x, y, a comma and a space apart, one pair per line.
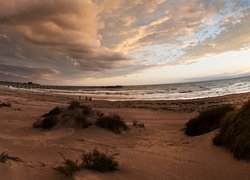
160, 151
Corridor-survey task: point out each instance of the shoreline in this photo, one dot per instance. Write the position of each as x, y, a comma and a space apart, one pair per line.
182, 91
185, 105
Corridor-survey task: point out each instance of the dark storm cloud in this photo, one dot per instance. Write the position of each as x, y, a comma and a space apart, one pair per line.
28, 73
69, 27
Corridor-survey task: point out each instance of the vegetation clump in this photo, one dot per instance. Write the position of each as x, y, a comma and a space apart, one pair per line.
99, 161
113, 123
234, 132
207, 120
82, 122
78, 115
69, 168
94, 160
86, 110
75, 115
74, 104
46, 123
53, 112
4, 157
5, 105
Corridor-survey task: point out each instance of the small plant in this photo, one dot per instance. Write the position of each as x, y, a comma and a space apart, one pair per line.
234, 132
207, 120
5, 105
99, 161
69, 168
53, 112
114, 123
4, 156
138, 124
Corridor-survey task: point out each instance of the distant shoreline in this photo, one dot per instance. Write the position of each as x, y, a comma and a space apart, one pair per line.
185, 91
186, 105
120, 86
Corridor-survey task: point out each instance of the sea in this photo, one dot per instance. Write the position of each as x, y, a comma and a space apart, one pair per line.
178, 91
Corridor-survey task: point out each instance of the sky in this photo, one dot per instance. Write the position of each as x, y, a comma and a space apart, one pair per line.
123, 42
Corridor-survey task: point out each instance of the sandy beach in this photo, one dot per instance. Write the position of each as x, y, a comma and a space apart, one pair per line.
161, 150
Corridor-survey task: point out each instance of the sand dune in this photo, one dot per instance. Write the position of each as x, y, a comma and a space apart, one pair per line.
160, 151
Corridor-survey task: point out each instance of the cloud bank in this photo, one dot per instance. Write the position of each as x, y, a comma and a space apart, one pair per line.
54, 40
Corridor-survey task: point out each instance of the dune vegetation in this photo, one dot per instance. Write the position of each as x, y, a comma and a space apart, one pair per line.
69, 168
75, 115
94, 160
207, 120
78, 115
99, 161
234, 132
113, 123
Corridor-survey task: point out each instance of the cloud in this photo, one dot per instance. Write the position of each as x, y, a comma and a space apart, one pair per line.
27, 73
62, 25
95, 38
234, 36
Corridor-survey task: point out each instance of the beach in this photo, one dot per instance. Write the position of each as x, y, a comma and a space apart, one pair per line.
161, 150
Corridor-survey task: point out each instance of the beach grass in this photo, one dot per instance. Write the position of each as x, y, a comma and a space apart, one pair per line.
234, 132
207, 120
4, 157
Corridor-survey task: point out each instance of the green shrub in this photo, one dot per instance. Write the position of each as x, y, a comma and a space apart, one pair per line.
207, 120
234, 132
49, 119
46, 123
99, 161
69, 168
114, 123
53, 112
